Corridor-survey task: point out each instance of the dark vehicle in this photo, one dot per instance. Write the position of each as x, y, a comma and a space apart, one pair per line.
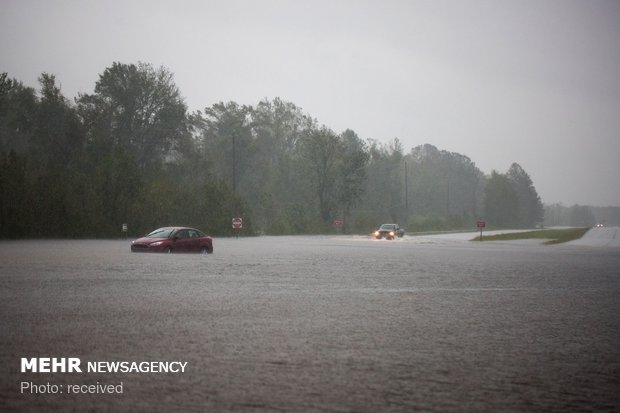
389, 231
174, 239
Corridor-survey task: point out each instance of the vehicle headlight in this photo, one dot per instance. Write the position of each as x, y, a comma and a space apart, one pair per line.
376, 233
392, 233
155, 244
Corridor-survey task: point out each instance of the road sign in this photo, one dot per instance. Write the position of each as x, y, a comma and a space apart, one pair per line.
237, 223
338, 222
481, 225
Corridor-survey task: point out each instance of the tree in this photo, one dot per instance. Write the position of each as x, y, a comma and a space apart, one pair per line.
277, 186
581, 216
137, 108
444, 188
226, 139
126, 152
136, 130
576, 215
320, 150
18, 115
14, 201
58, 135
6, 85
354, 158
501, 204
531, 211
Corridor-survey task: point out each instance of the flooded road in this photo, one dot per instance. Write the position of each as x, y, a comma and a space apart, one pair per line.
332, 324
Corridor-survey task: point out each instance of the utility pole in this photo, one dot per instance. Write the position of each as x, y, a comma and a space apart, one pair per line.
406, 191
234, 165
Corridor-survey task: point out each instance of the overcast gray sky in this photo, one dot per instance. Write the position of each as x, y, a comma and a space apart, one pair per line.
530, 81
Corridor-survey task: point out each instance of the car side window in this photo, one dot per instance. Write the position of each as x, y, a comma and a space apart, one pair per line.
182, 234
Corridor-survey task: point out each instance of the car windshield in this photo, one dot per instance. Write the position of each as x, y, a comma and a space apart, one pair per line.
161, 233
388, 226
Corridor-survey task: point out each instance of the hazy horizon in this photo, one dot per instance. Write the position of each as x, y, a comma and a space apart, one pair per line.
532, 82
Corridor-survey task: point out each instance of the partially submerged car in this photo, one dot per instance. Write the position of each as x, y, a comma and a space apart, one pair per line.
174, 239
389, 231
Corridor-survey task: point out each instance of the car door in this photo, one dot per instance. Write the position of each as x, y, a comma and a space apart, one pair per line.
182, 241
193, 243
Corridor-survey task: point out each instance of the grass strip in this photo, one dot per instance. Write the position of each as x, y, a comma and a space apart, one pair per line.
554, 236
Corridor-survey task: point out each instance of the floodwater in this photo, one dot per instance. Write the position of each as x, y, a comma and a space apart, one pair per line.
321, 324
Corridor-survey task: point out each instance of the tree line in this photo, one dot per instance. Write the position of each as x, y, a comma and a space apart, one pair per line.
131, 153
581, 215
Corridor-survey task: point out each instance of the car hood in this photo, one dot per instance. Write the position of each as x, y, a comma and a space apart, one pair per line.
148, 240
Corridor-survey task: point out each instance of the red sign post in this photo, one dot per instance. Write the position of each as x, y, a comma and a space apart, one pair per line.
481, 224
237, 224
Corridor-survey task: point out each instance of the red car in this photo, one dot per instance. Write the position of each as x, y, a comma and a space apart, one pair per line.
174, 239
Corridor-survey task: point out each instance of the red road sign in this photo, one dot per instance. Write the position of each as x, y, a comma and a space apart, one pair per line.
237, 223
338, 222
481, 224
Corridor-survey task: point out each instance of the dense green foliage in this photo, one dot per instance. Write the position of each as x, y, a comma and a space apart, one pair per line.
511, 201
131, 153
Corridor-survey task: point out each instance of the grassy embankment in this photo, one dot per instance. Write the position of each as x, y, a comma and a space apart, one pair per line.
554, 236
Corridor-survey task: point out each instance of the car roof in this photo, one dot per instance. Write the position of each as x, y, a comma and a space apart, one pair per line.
175, 228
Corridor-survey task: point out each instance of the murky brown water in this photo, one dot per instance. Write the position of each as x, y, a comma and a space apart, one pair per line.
317, 324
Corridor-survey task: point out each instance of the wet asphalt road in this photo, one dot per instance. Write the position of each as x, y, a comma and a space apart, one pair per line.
334, 324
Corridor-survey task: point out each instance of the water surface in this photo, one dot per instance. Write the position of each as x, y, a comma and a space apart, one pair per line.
318, 324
